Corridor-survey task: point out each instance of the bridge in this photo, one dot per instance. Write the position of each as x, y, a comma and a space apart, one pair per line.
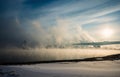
98, 44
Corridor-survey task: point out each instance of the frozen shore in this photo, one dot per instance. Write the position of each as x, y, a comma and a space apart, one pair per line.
64, 69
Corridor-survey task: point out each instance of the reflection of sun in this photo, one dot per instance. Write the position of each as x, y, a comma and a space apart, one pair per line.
107, 32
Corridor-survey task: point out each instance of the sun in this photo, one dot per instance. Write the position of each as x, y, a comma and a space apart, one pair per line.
107, 32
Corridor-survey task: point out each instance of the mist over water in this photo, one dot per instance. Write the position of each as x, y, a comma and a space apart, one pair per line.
20, 55
62, 34
51, 43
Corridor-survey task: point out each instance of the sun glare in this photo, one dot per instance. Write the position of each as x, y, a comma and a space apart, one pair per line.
107, 32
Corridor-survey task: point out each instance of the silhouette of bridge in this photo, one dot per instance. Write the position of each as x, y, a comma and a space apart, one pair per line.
98, 44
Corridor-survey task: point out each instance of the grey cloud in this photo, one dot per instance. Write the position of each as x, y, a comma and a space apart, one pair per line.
11, 33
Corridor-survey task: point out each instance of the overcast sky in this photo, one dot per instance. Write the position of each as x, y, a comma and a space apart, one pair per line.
58, 21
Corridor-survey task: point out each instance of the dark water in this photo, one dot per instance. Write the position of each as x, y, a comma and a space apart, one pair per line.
20, 55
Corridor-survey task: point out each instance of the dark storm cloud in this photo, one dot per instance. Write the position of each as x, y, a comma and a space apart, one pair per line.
11, 31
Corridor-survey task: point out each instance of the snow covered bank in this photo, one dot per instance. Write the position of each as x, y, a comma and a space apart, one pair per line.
80, 69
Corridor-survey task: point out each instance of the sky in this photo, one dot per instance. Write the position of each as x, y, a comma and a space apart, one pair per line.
58, 22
